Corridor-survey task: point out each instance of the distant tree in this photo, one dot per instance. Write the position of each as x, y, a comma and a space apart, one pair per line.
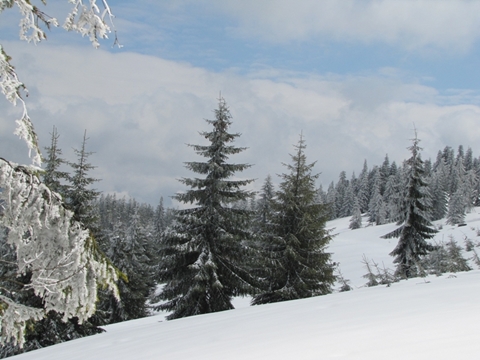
340, 194
439, 191
384, 173
206, 248
416, 228
295, 263
321, 195
392, 197
348, 201
80, 195
264, 210
54, 177
363, 193
376, 206
456, 208
331, 202
356, 220
131, 249
468, 160
160, 217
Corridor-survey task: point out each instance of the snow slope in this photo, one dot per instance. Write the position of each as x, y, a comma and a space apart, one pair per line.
431, 318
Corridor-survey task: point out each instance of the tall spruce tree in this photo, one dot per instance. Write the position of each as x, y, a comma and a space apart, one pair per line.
296, 264
416, 228
204, 251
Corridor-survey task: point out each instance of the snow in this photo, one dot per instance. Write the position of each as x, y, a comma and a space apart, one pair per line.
422, 318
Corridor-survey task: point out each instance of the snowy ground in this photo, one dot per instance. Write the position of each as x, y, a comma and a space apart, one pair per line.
431, 318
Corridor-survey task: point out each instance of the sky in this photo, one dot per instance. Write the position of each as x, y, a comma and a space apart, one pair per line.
354, 77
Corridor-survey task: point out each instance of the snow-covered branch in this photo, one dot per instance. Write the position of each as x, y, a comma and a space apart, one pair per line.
84, 18
61, 257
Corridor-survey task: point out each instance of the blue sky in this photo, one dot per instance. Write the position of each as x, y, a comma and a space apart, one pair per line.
354, 75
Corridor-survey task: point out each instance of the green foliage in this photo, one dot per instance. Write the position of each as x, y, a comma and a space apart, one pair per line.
205, 251
294, 264
53, 176
79, 195
416, 227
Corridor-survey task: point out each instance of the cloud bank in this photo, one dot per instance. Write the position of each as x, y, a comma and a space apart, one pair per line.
443, 24
141, 111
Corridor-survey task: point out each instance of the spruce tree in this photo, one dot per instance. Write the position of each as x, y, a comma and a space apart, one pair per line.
131, 249
363, 193
416, 228
204, 251
356, 219
456, 208
263, 211
295, 262
331, 201
340, 194
53, 177
80, 196
438, 189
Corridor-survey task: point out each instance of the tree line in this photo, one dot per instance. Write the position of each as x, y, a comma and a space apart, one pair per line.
229, 241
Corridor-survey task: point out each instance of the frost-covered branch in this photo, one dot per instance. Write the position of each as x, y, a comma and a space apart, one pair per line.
87, 20
14, 319
61, 257
84, 18
11, 88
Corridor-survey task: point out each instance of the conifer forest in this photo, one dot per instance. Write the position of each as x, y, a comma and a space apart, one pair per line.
77, 262
227, 241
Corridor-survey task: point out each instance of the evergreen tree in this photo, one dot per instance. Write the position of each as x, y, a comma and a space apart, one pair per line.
53, 177
160, 218
348, 201
455, 260
456, 208
416, 228
263, 211
295, 262
376, 206
331, 202
392, 196
447, 257
80, 196
439, 190
131, 250
384, 173
321, 195
205, 250
468, 161
356, 220
340, 194
363, 193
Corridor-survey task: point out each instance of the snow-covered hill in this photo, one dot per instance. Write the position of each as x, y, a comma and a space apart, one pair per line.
430, 318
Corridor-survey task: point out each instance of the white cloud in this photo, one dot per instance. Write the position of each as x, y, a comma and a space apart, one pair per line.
412, 24
140, 111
